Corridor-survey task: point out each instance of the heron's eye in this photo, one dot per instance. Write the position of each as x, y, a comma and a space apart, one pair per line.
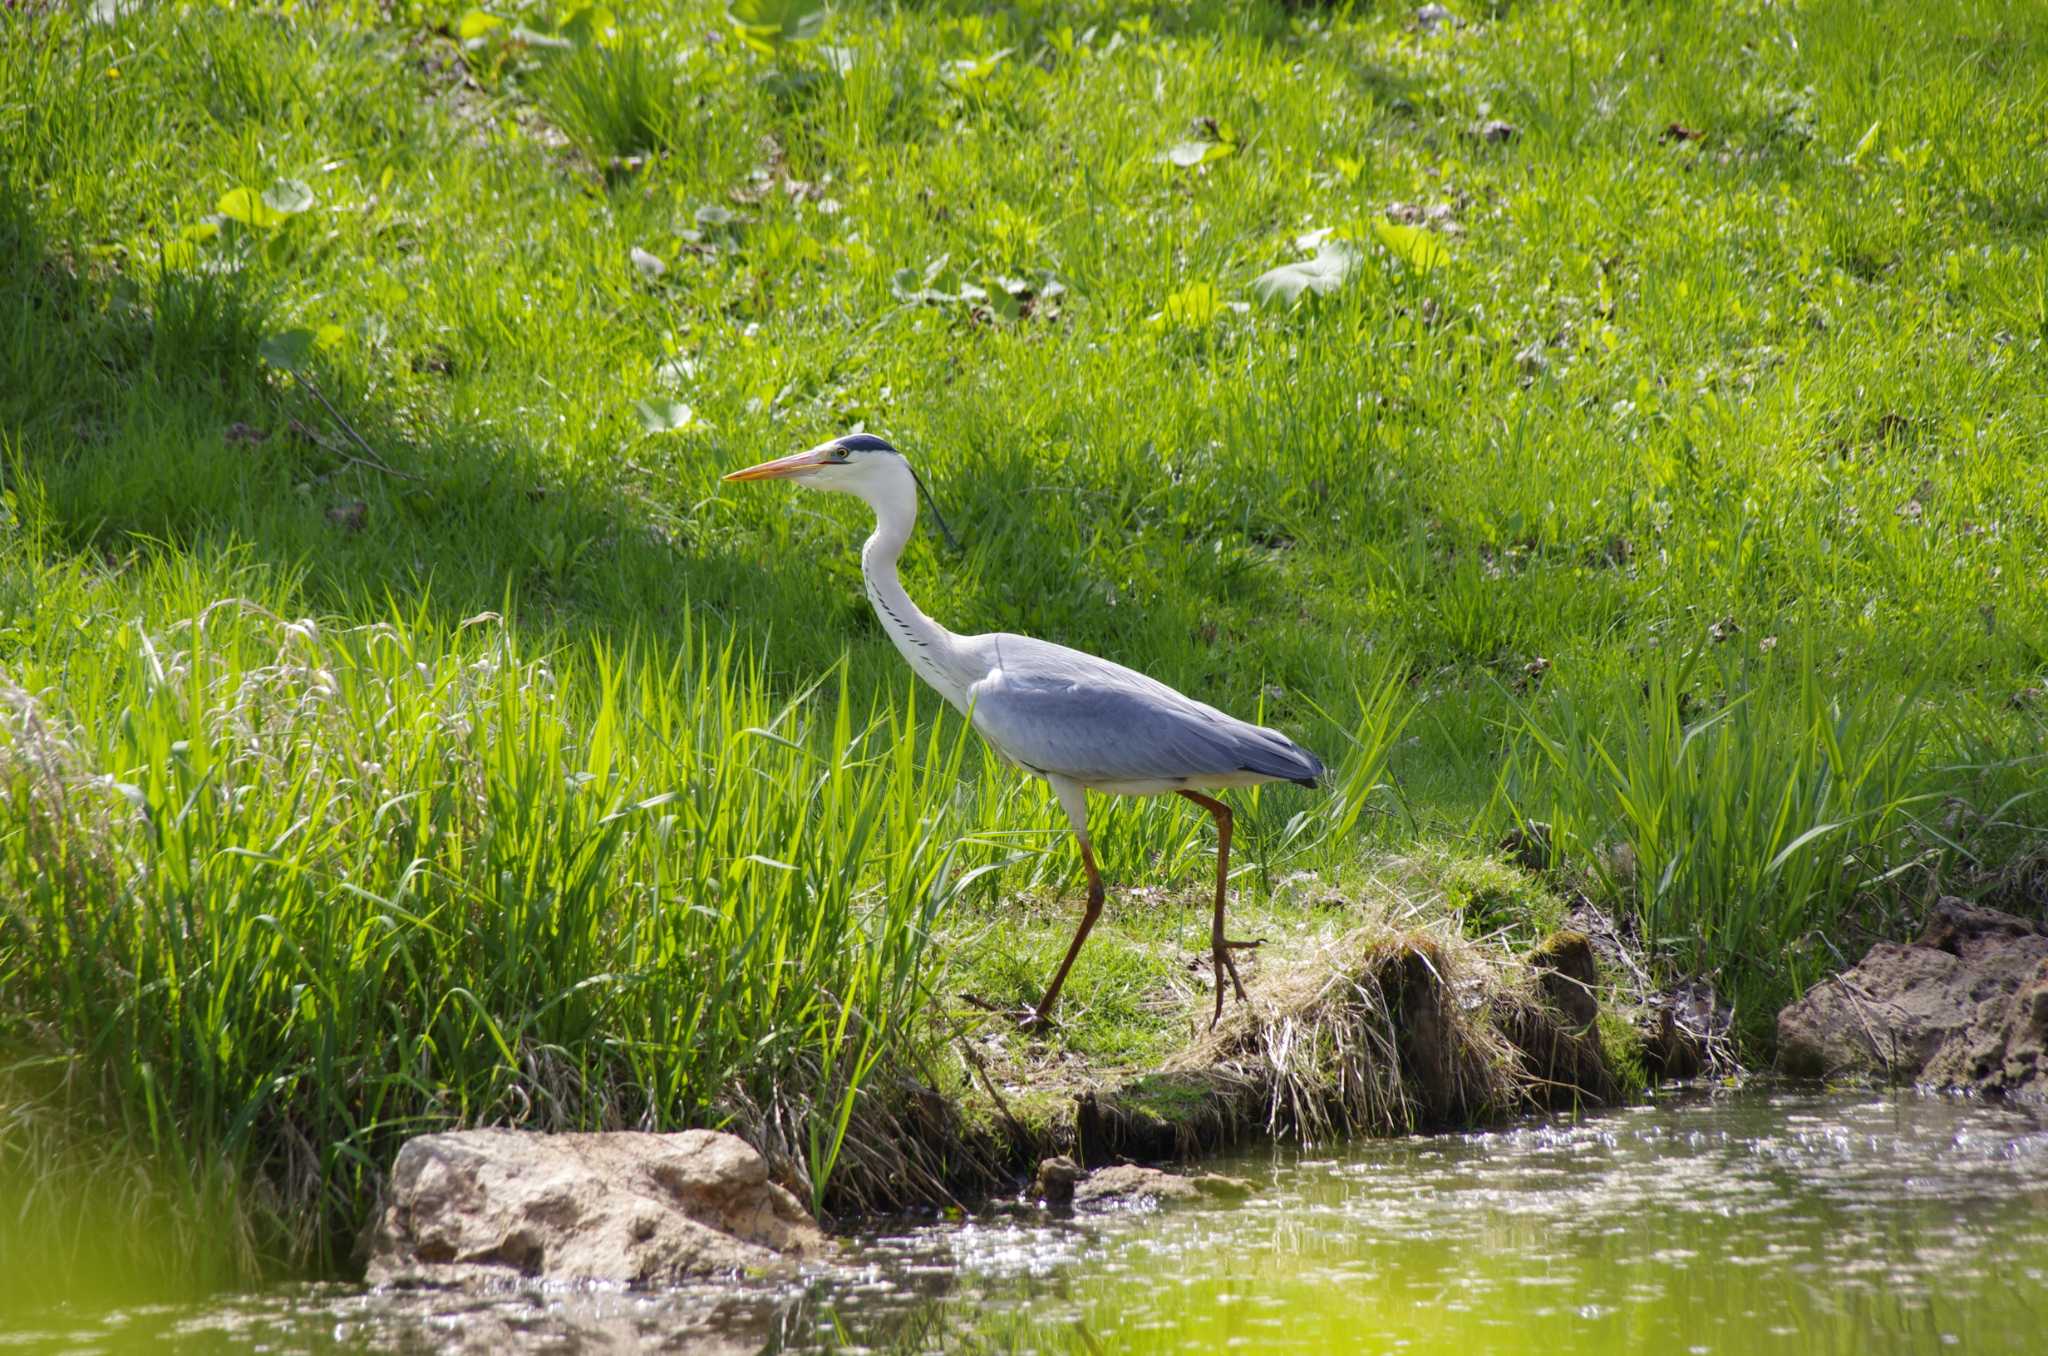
839, 454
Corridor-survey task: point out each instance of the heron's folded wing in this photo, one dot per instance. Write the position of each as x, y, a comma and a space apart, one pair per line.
1105, 728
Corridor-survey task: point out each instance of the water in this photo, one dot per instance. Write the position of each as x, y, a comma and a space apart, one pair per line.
1745, 1222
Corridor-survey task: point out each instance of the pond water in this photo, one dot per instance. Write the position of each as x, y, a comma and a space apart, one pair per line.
1753, 1221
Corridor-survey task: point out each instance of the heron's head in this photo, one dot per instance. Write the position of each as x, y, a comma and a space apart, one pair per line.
859, 463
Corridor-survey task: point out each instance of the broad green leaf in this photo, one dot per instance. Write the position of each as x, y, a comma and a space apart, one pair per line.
288, 197
287, 348
247, 206
910, 285
905, 285
327, 336
765, 25
1003, 305
1419, 249
1284, 287
1193, 307
589, 23
664, 416
200, 230
968, 70
476, 24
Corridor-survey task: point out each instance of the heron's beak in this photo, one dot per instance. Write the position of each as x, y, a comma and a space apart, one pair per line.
794, 465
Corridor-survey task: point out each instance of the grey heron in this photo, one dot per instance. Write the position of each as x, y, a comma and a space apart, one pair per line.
1080, 723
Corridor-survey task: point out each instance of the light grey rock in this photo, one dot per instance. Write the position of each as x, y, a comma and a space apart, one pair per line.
1056, 1180
1128, 1186
487, 1206
1965, 1006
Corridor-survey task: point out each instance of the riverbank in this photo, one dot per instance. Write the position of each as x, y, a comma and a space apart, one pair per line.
1353, 1027
1607, 437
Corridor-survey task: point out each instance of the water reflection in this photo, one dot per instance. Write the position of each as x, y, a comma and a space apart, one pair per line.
1744, 1223
1748, 1222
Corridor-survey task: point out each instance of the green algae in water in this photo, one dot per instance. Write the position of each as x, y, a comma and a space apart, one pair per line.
1738, 1224
1746, 1222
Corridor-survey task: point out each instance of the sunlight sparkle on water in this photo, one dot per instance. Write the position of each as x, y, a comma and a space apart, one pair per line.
1757, 1221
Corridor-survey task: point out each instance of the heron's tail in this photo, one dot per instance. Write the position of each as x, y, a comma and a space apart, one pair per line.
1274, 755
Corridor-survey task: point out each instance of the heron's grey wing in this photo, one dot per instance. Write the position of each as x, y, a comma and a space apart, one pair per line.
1060, 711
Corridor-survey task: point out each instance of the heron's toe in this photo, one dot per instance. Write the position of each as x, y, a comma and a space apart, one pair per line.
1032, 1022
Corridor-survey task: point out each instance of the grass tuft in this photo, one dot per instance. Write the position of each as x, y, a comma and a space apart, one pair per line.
614, 100
1371, 1033
325, 887
1732, 818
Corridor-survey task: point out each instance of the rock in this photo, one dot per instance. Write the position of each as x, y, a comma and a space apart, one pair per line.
1128, 1185
1056, 1180
2007, 1052
1218, 1187
1965, 1006
486, 1206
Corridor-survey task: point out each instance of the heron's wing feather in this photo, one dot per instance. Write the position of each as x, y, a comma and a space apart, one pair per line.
1061, 711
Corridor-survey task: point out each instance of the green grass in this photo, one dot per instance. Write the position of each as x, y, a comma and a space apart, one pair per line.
1691, 501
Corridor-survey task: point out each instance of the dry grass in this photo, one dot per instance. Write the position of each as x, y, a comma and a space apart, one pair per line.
1372, 1032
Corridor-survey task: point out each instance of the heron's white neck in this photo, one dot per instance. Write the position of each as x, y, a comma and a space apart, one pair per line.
932, 651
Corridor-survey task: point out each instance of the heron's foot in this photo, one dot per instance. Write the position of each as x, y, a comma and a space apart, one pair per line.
1033, 1022
1220, 958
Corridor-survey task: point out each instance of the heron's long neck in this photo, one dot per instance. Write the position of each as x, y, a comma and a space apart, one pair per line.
929, 648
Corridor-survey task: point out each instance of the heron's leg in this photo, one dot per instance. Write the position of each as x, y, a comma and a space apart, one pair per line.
1074, 801
1220, 947
1052, 994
